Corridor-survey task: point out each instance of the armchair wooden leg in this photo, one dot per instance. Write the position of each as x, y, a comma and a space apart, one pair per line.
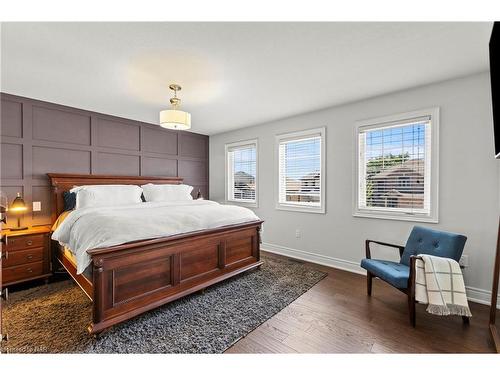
369, 277
411, 291
411, 309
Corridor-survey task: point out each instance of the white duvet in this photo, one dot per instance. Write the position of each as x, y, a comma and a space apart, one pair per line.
91, 228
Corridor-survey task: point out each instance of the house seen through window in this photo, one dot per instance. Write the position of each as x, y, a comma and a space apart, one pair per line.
242, 172
301, 172
395, 168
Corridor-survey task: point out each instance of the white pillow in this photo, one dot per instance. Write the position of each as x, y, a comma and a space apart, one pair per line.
75, 188
106, 195
167, 193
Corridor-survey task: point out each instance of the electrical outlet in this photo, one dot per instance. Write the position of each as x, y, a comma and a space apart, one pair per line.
37, 206
464, 261
297, 233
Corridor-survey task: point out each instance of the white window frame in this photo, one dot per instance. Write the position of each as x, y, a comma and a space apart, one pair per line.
381, 213
242, 202
298, 135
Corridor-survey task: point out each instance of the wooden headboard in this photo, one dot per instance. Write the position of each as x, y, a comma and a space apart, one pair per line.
61, 182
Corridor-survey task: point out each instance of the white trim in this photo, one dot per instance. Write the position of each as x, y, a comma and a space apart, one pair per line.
394, 216
227, 146
295, 136
481, 296
433, 217
241, 203
477, 295
324, 260
297, 208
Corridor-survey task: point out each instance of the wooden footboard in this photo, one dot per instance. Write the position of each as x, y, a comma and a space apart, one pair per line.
136, 277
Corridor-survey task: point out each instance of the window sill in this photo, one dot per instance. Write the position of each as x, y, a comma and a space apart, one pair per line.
311, 210
391, 216
244, 204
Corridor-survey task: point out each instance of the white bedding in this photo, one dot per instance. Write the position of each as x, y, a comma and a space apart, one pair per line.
91, 228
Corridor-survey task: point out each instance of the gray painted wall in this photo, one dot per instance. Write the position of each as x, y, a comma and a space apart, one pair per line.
39, 137
469, 182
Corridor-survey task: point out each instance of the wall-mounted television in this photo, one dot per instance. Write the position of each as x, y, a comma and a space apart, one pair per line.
495, 83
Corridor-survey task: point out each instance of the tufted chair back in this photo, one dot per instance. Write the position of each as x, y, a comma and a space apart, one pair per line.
433, 242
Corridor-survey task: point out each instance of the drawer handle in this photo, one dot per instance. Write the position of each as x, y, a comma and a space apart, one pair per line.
29, 270
4, 239
3, 220
5, 294
29, 257
5, 255
29, 242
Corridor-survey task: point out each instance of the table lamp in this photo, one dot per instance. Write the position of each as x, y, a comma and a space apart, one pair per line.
18, 208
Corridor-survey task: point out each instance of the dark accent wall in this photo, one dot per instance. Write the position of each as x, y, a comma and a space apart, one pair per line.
39, 137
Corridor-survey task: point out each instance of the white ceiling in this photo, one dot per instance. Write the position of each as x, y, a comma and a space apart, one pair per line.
233, 74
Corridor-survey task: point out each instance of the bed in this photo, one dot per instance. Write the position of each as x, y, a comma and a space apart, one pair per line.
128, 279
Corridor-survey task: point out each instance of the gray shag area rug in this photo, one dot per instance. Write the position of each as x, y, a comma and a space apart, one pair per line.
53, 318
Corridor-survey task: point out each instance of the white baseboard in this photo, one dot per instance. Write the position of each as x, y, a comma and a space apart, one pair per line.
477, 295
324, 260
481, 296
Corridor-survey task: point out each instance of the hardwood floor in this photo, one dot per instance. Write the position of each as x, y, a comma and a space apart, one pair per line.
336, 316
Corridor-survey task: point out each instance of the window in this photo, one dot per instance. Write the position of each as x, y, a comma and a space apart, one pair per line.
301, 180
396, 172
241, 172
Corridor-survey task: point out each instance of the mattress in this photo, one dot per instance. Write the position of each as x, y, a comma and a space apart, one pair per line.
68, 254
100, 227
66, 251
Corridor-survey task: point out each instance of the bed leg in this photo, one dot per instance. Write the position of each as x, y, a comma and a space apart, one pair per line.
90, 330
93, 332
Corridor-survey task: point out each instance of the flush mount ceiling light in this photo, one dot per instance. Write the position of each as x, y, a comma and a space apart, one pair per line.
174, 118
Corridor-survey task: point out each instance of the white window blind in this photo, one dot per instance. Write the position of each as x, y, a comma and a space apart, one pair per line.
242, 172
395, 167
300, 157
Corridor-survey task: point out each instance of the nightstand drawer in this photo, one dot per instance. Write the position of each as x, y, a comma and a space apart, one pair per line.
15, 258
24, 242
25, 271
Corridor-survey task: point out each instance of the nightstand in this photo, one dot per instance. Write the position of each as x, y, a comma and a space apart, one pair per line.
26, 256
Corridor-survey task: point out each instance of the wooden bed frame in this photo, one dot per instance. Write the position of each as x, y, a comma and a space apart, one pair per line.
135, 277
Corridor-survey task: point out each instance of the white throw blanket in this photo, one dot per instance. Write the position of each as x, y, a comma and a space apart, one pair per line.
91, 228
440, 283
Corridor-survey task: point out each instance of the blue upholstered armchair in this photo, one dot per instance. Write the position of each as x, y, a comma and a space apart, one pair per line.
402, 275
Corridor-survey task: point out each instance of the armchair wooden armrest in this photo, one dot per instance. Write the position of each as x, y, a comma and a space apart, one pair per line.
368, 251
411, 281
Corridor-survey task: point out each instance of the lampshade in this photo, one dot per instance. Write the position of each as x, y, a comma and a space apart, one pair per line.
175, 119
18, 204
18, 207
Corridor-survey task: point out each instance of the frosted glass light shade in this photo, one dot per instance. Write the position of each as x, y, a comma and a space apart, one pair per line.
175, 119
